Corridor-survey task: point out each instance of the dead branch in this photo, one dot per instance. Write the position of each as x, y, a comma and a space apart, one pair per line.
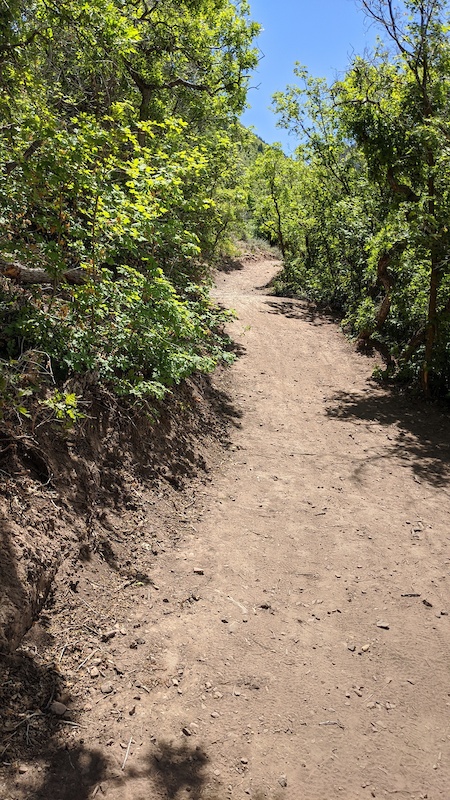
19, 273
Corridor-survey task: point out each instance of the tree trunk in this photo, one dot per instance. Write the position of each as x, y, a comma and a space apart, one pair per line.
279, 228
435, 279
431, 330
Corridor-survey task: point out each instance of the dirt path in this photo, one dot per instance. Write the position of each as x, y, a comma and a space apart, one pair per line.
312, 660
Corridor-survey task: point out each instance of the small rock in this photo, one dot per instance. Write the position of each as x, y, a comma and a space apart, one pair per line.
132, 711
351, 647
187, 731
365, 648
59, 709
108, 635
107, 687
23, 769
215, 714
282, 780
94, 673
384, 625
244, 760
427, 603
198, 571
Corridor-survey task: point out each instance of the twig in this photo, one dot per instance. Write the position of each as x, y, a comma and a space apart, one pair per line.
86, 659
72, 724
26, 722
264, 646
333, 722
127, 753
232, 600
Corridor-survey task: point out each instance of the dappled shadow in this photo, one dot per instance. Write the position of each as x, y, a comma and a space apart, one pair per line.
32, 738
229, 264
44, 763
29, 732
300, 309
423, 437
225, 406
73, 773
292, 309
178, 768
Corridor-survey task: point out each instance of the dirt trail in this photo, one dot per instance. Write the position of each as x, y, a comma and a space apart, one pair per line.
313, 659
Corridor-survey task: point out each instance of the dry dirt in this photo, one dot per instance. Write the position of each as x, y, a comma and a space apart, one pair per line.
292, 640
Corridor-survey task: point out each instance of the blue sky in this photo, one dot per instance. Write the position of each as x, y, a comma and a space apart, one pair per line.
321, 34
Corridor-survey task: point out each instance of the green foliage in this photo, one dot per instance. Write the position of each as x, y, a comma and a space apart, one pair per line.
363, 206
64, 407
119, 164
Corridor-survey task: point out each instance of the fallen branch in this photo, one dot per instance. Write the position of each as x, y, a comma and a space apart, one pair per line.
18, 272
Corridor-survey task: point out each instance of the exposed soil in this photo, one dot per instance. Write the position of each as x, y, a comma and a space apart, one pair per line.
283, 629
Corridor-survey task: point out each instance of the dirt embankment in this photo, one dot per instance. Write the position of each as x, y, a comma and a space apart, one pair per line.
287, 633
60, 489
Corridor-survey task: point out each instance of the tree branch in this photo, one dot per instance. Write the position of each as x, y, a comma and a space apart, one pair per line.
19, 273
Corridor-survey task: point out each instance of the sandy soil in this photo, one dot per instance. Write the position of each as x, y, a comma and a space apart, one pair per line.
294, 640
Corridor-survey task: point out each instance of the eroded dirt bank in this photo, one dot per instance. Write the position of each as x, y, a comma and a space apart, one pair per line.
293, 640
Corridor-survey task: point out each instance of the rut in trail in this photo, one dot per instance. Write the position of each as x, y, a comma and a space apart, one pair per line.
314, 663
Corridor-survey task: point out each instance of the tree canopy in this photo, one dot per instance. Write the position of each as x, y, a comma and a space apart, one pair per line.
119, 150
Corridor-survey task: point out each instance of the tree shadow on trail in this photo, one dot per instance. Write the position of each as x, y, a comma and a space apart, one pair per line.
301, 309
422, 439
33, 738
229, 264
75, 771
179, 768
73, 774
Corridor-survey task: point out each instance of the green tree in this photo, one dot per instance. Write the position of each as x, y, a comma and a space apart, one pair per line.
376, 179
397, 110
118, 140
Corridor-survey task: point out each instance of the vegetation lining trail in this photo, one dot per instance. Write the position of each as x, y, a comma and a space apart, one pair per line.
297, 644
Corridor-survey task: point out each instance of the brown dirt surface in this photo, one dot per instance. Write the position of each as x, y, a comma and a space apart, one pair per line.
287, 636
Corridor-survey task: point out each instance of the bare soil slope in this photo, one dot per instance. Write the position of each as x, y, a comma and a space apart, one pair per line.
294, 640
